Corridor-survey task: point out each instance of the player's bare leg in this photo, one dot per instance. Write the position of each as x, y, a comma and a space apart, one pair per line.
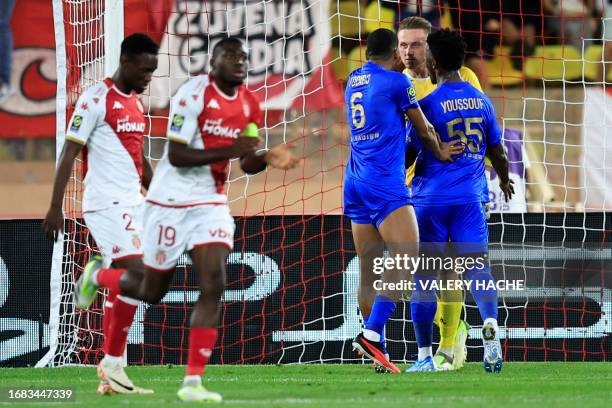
400, 234
119, 311
209, 263
368, 245
128, 282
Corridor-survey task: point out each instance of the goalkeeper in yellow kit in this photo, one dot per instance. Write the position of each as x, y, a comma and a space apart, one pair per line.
412, 45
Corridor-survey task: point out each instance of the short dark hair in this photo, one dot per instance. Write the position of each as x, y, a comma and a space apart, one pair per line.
139, 43
415, 23
448, 49
223, 42
381, 43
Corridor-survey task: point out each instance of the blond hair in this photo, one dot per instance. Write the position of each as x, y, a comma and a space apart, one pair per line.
411, 23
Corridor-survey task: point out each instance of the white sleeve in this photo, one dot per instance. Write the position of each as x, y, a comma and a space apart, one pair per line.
184, 112
85, 119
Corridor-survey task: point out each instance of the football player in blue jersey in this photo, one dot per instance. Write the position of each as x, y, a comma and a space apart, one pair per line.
376, 197
448, 196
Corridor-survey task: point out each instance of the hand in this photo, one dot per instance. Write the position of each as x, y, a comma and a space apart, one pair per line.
507, 188
449, 149
244, 145
280, 157
53, 224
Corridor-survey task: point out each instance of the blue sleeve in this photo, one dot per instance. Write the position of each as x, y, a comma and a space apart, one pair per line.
405, 94
494, 133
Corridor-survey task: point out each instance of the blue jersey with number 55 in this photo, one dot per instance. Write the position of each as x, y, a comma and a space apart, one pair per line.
376, 102
460, 112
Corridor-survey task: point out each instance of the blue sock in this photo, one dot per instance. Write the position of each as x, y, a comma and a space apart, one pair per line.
486, 299
382, 309
423, 307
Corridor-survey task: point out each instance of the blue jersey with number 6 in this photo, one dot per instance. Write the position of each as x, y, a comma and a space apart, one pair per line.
376, 101
460, 112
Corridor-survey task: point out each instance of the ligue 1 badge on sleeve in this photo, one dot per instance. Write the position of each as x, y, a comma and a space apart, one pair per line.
77, 121
177, 122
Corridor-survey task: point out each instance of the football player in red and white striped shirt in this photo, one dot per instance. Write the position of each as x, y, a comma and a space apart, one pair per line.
109, 122
186, 206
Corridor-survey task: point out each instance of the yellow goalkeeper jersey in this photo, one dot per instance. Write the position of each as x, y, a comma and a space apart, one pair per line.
424, 86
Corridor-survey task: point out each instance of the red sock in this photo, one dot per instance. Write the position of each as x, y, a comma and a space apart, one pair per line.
121, 321
201, 343
106, 319
109, 278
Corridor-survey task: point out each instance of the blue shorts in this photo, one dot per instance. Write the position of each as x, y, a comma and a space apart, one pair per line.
366, 203
462, 224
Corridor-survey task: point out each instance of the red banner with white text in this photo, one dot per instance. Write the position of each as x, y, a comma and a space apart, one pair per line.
298, 77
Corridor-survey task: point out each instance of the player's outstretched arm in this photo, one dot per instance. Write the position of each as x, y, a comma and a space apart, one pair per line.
499, 161
54, 221
181, 155
278, 157
427, 134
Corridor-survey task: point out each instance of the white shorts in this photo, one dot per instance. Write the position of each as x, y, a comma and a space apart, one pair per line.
170, 231
117, 232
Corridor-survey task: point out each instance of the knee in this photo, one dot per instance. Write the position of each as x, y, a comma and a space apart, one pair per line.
154, 296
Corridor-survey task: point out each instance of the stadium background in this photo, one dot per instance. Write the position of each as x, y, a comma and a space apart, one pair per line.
291, 294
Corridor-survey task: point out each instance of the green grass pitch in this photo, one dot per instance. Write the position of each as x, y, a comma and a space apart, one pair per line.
519, 385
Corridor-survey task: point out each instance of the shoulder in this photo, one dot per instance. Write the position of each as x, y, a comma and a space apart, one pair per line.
248, 95
191, 93
397, 76
194, 86
94, 97
436, 94
99, 90
469, 76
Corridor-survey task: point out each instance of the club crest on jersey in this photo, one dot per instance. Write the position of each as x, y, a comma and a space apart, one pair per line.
136, 241
77, 121
160, 257
177, 122
215, 127
125, 126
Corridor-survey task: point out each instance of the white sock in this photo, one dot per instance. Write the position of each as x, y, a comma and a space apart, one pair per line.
114, 359
448, 351
192, 380
371, 335
129, 301
94, 277
424, 352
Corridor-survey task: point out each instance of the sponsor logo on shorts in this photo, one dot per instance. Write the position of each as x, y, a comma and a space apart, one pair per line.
177, 122
77, 121
220, 233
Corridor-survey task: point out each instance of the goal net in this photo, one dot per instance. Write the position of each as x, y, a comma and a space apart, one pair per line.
292, 279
